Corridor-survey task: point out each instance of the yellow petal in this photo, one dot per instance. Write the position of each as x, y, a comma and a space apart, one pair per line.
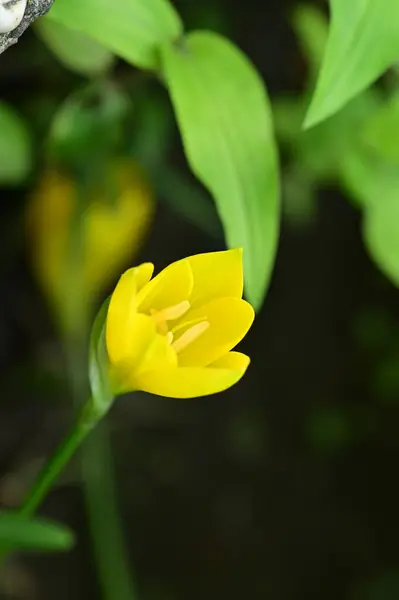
143, 274
216, 274
229, 320
149, 352
232, 360
123, 329
170, 287
186, 382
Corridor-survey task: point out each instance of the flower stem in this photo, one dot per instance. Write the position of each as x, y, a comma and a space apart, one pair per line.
111, 555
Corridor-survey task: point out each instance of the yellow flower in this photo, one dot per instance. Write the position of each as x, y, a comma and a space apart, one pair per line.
173, 335
78, 248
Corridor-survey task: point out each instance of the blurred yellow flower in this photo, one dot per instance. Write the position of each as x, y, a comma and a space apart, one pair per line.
173, 335
79, 244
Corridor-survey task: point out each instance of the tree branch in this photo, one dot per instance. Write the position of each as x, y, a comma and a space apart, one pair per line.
34, 10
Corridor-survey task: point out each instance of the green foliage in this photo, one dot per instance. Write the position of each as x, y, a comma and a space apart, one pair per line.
312, 31
381, 233
357, 147
18, 532
381, 131
15, 147
132, 29
88, 125
363, 42
73, 49
229, 144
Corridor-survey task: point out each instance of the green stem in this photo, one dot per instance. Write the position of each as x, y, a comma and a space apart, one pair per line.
57, 462
100, 490
106, 529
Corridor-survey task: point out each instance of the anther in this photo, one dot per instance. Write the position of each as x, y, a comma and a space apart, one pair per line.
190, 335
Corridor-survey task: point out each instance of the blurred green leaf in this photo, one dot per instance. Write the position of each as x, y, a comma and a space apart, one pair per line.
89, 125
311, 28
132, 29
76, 51
381, 232
17, 532
324, 147
299, 198
225, 120
363, 42
382, 130
320, 151
367, 178
15, 147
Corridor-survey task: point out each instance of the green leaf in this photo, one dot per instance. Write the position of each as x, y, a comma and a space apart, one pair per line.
21, 532
89, 124
368, 179
76, 51
102, 395
382, 130
363, 42
381, 233
311, 29
15, 147
132, 29
225, 120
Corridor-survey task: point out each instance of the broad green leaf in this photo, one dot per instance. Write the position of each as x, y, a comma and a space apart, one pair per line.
132, 29
382, 131
15, 147
363, 42
76, 51
225, 120
381, 233
18, 532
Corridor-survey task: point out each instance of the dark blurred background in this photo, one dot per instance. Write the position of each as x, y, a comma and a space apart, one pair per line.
281, 488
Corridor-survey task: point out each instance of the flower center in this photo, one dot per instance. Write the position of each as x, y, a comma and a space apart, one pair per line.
171, 313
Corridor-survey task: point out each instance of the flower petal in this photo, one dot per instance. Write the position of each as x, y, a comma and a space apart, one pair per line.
143, 274
229, 320
216, 274
170, 287
232, 360
186, 382
150, 352
121, 328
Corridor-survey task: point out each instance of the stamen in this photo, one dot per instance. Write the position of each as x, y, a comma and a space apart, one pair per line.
169, 314
174, 312
170, 337
190, 335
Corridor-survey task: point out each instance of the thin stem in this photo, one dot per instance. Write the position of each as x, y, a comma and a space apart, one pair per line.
107, 534
99, 488
52, 469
